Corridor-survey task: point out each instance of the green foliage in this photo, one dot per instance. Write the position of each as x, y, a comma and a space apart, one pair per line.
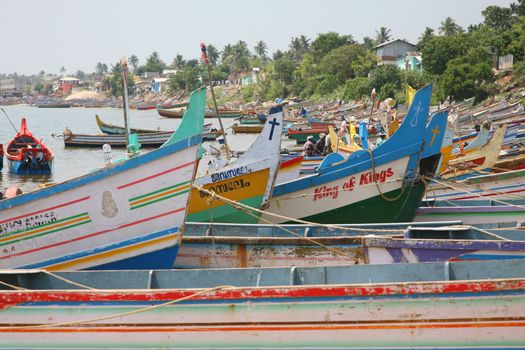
339, 62
187, 79
326, 42
382, 35
248, 93
284, 69
134, 62
385, 79
439, 50
299, 47
261, 50
518, 8
467, 76
449, 27
519, 73
277, 90
427, 35
356, 88
153, 64
498, 18
115, 82
328, 84
368, 42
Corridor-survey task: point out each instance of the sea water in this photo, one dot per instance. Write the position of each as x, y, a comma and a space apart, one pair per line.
50, 123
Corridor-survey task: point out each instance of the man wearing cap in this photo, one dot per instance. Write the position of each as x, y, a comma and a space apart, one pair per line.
309, 147
319, 145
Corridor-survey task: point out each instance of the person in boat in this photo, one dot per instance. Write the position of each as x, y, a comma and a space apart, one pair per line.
381, 139
309, 147
343, 128
320, 145
327, 145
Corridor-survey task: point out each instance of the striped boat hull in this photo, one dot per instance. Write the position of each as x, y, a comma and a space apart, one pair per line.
476, 314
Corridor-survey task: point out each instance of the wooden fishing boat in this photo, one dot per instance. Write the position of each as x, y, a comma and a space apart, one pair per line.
27, 154
111, 129
472, 212
54, 105
501, 186
317, 123
210, 113
289, 168
146, 107
368, 186
126, 215
300, 134
256, 118
239, 246
148, 139
339, 145
451, 305
482, 158
116, 140
248, 179
247, 129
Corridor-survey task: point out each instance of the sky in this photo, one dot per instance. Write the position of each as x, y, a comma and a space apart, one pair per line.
77, 34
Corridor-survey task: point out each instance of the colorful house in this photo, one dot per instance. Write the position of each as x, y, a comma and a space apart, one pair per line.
159, 84
390, 51
66, 84
411, 61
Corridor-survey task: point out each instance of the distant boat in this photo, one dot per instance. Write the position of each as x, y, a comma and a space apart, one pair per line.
54, 105
146, 107
28, 155
247, 129
208, 134
111, 129
120, 140
210, 113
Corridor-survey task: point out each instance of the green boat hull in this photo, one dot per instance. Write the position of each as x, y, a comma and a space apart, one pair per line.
376, 209
228, 214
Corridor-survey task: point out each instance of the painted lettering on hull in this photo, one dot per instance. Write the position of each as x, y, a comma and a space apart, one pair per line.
350, 184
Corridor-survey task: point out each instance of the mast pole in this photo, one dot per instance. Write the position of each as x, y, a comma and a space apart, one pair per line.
204, 56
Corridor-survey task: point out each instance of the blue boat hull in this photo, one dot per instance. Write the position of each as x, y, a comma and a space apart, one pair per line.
23, 168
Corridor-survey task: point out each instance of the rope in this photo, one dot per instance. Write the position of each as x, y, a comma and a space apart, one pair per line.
241, 206
337, 251
63, 279
11, 286
171, 302
388, 199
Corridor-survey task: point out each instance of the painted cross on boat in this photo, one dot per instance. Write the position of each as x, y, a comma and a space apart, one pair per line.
435, 131
274, 123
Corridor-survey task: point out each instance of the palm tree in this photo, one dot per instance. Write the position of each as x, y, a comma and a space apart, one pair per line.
228, 54
305, 43
178, 62
213, 54
99, 69
449, 27
134, 62
424, 38
382, 35
62, 70
261, 50
368, 42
